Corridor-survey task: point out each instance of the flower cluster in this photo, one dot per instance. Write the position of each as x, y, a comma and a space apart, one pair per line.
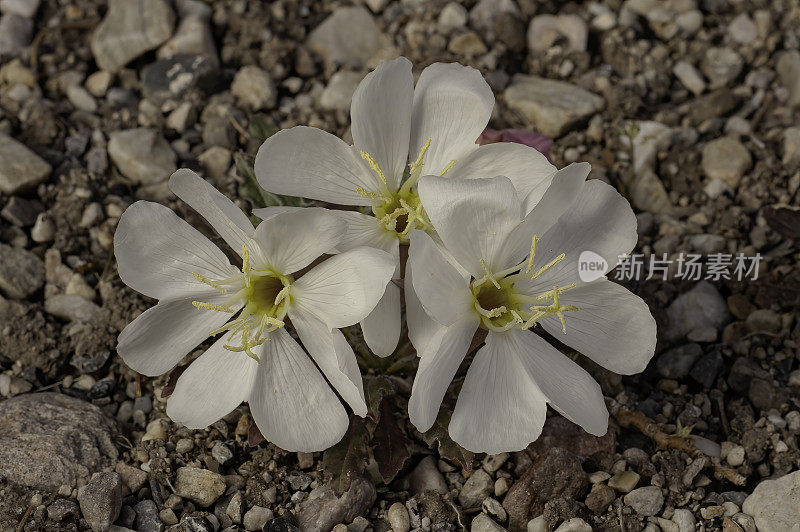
493, 233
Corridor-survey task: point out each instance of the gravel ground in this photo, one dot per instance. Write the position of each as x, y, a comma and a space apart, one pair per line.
691, 108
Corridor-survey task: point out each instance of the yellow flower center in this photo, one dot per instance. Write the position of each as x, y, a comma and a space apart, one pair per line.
401, 211
501, 307
266, 296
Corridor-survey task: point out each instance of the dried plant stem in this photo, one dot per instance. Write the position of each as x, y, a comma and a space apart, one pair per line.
637, 420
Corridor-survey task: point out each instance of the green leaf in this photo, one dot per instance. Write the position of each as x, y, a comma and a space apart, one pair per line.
376, 389
262, 127
348, 458
391, 446
448, 449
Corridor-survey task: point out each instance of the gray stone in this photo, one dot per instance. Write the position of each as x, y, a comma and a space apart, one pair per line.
101, 501
48, 440
624, 481
699, 308
23, 8
72, 307
742, 29
201, 486
15, 35
708, 243
684, 519
775, 504
142, 155
193, 34
484, 523
468, 44
323, 509
132, 477
649, 194
147, 519
645, 501
348, 37
129, 29
545, 30
791, 145
452, 16
600, 498
20, 168
727, 159
63, 509
427, 477
170, 78
256, 517
477, 487
21, 272
484, 14
676, 363
81, 99
553, 107
788, 68
339, 91
576, 524
21, 212
253, 88
688, 75
721, 66
398, 517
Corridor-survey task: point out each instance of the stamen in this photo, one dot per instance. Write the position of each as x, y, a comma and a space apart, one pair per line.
210, 306
447, 168
281, 295
213, 284
493, 313
547, 266
374, 166
488, 277
534, 242
246, 265
415, 170
372, 195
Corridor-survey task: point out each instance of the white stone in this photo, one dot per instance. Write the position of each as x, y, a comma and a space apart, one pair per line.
348, 37
775, 504
688, 75
142, 155
338, 94
253, 88
20, 168
453, 16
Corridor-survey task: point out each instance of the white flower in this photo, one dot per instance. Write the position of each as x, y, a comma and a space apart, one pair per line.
433, 127
498, 275
255, 359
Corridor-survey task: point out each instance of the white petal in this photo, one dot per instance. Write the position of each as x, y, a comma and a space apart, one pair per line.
437, 367
157, 253
421, 327
161, 336
291, 403
529, 170
568, 387
292, 240
613, 326
600, 220
452, 105
268, 212
559, 199
473, 217
333, 356
381, 116
363, 230
212, 386
500, 407
220, 212
310, 163
442, 290
382, 326
343, 289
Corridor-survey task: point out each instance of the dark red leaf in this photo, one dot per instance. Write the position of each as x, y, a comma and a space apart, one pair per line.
392, 447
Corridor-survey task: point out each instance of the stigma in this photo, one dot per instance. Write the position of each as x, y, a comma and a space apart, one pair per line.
263, 294
400, 212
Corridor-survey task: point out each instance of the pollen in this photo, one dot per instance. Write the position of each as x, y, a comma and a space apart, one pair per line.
265, 296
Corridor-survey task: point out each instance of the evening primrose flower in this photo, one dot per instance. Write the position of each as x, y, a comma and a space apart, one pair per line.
249, 310
399, 133
509, 271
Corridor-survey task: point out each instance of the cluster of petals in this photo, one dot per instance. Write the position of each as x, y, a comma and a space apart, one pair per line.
494, 235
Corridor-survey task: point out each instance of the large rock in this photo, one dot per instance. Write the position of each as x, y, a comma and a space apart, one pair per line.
142, 155
775, 504
349, 37
48, 440
129, 29
323, 509
20, 168
545, 30
193, 35
788, 68
556, 474
553, 107
21, 272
